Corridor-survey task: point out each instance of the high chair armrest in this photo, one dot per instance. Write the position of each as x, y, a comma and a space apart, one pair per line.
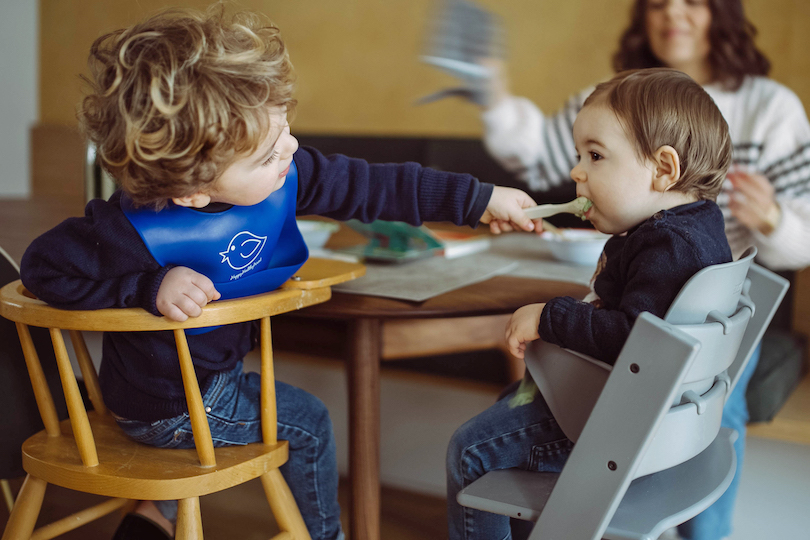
324, 273
19, 305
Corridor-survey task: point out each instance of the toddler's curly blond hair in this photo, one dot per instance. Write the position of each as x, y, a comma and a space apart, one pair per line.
176, 98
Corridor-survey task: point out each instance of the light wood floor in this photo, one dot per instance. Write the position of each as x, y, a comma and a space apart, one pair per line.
242, 513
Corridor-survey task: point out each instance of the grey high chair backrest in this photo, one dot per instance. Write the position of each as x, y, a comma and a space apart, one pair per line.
657, 410
571, 382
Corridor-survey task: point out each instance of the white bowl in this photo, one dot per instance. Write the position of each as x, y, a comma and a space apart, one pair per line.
316, 233
577, 246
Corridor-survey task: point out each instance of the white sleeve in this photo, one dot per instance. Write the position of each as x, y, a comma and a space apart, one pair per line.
788, 247
538, 149
786, 163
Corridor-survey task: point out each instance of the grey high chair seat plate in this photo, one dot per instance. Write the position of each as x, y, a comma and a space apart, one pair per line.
651, 505
657, 410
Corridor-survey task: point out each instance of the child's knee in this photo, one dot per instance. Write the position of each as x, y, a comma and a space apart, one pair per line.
323, 422
306, 417
460, 441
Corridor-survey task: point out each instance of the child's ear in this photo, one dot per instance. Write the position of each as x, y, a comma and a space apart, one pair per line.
197, 200
667, 168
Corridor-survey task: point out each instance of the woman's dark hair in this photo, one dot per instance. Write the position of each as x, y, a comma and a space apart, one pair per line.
732, 56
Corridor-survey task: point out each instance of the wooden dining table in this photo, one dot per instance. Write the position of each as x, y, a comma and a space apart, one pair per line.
379, 329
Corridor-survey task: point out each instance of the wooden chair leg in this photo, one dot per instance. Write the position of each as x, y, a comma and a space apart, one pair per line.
129, 507
282, 503
189, 520
26, 510
7, 495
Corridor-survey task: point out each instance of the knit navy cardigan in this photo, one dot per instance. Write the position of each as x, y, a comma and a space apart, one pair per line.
99, 261
641, 271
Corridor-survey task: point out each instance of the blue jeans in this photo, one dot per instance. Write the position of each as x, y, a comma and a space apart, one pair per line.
714, 523
528, 438
234, 419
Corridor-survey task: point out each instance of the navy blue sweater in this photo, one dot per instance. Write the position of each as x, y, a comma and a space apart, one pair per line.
99, 261
641, 271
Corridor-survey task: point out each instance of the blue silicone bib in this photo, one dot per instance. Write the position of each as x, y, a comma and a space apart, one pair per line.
244, 250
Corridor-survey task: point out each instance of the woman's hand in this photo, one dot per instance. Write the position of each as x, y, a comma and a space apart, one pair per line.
752, 201
494, 87
505, 213
522, 328
183, 293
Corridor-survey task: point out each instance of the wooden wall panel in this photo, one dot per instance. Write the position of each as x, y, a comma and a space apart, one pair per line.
358, 66
57, 168
357, 60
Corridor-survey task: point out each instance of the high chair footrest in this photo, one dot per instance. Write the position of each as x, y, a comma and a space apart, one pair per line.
510, 492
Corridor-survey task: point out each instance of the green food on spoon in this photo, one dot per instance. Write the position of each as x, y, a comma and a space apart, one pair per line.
578, 207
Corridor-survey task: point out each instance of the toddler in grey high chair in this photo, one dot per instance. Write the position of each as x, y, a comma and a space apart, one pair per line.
653, 151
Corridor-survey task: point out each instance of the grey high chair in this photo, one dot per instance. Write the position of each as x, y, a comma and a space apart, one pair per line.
649, 453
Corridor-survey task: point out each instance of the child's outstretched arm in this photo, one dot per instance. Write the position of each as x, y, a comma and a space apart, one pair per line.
344, 188
522, 328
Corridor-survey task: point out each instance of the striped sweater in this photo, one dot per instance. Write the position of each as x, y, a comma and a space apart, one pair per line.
769, 130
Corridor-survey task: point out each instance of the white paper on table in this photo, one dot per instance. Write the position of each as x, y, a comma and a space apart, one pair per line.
535, 261
419, 280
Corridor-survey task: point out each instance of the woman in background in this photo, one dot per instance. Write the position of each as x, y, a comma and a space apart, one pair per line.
766, 198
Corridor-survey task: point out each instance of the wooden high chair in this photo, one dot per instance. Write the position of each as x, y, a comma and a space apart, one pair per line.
89, 453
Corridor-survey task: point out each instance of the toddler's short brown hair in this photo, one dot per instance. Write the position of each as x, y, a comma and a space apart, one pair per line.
175, 98
661, 106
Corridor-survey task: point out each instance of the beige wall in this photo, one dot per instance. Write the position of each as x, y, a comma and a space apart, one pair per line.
357, 59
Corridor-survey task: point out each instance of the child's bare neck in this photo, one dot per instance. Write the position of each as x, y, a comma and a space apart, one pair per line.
671, 199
